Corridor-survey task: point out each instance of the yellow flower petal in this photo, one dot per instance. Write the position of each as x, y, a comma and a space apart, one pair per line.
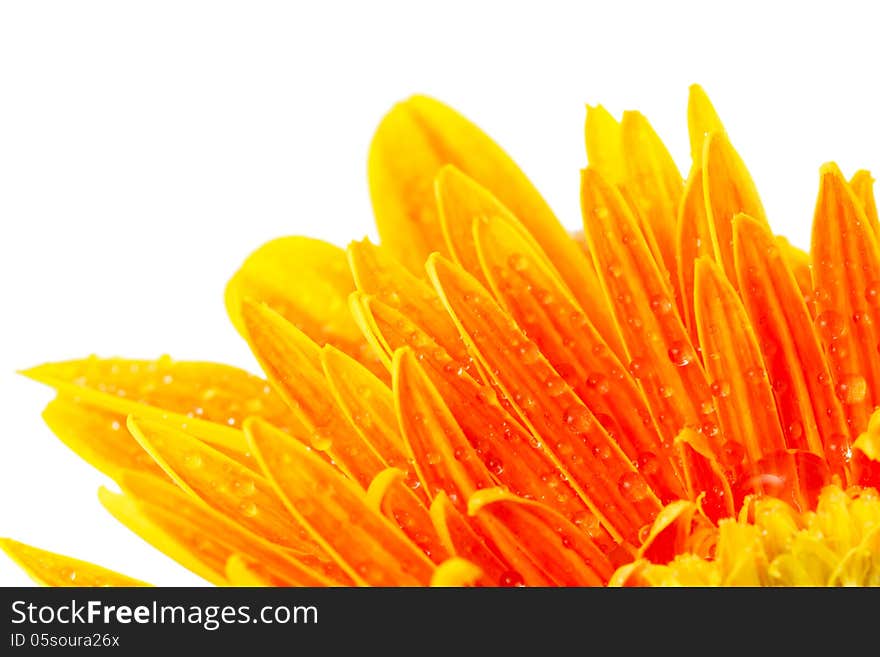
702, 121
604, 144
293, 363
693, 240
372, 550
415, 139
52, 569
307, 282
456, 572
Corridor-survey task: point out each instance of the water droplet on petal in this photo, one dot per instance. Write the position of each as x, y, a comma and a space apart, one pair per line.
632, 486
830, 325
320, 441
720, 388
517, 262
249, 509
680, 353
852, 388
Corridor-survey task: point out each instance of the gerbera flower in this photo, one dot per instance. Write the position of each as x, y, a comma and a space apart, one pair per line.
673, 396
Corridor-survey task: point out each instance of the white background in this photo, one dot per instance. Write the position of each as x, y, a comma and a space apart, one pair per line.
146, 148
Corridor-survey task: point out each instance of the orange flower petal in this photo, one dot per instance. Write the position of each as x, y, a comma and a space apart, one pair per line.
729, 190
706, 478
484, 417
307, 282
391, 495
201, 538
98, 437
223, 484
862, 184
367, 403
744, 400
670, 532
693, 240
462, 540
210, 398
798, 262
565, 554
440, 451
846, 275
51, 569
241, 571
577, 352
654, 184
463, 202
547, 405
365, 544
293, 363
810, 413
702, 121
662, 357
383, 278
415, 139
604, 144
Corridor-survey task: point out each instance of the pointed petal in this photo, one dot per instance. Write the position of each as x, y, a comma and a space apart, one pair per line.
747, 409
383, 278
693, 240
706, 479
415, 139
201, 538
438, 448
51, 569
604, 144
662, 357
367, 404
223, 484
465, 203
863, 187
463, 541
293, 363
618, 495
307, 282
207, 391
702, 121
846, 275
99, 438
484, 417
391, 496
811, 415
577, 352
798, 262
210, 398
654, 184
371, 549
567, 555
729, 191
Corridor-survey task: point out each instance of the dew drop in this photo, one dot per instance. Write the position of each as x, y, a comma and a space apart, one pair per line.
707, 406
555, 385
244, 487
632, 486
733, 451
795, 430
680, 353
517, 262
495, 465
511, 578
872, 293
320, 441
648, 463
661, 304
636, 367
577, 418
529, 353
599, 382
720, 388
249, 509
852, 388
193, 460
830, 325
614, 270
433, 458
